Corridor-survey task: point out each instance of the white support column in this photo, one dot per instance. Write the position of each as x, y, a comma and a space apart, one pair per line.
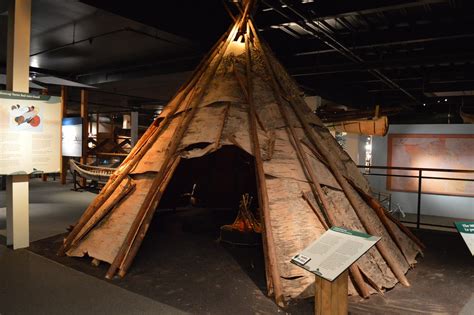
18, 224
134, 127
18, 66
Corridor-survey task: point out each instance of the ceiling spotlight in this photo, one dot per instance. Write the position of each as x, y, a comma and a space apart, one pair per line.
445, 99
439, 101
424, 104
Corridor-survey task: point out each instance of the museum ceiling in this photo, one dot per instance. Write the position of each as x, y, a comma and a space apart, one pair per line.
414, 55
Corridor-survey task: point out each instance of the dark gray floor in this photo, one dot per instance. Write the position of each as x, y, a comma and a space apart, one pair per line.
53, 207
181, 268
31, 284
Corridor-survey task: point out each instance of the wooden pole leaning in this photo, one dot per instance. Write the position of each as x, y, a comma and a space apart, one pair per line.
262, 186
145, 224
268, 275
381, 211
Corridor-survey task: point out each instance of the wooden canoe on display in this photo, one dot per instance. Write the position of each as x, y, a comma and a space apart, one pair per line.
372, 127
95, 173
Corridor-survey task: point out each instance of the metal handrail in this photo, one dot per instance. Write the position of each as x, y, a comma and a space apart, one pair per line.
416, 169
420, 179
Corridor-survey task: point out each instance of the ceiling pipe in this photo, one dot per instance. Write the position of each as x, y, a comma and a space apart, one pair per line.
403, 42
332, 42
350, 55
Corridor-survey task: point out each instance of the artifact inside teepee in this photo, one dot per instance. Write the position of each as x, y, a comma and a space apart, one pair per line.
246, 228
241, 96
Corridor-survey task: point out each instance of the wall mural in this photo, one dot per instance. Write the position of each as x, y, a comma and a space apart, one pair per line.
431, 151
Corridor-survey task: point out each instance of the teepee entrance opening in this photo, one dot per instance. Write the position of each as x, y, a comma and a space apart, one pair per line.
216, 180
182, 249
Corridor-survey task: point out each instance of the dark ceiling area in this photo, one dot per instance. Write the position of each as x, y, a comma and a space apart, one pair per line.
417, 56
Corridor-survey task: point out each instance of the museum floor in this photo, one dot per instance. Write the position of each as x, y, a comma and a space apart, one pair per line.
181, 268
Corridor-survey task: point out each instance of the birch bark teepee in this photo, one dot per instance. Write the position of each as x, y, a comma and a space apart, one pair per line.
240, 95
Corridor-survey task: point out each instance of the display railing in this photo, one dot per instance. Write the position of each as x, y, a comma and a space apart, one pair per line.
367, 171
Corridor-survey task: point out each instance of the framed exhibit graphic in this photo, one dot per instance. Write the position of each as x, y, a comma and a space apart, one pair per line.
30, 133
439, 151
72, 137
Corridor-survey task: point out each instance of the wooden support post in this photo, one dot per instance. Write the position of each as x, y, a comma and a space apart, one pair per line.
134, 128
18, 63
97, 126
331, 297
85, 129
269, 244
97, 129
63, 114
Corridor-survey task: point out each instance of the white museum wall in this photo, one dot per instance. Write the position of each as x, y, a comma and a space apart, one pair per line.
438, 205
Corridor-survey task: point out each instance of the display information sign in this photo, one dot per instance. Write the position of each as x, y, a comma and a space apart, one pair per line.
72, 137
334, 252
466, 229
30, 133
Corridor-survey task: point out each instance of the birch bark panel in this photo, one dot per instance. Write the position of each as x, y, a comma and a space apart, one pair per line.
110, 202
288, 82
321, 171
105, 240
372, 263
284, 163
236, 132
269, 115
344, 163
205, 125
369, 214
153, 158
294, 226
224, 87
168, 108
410, 248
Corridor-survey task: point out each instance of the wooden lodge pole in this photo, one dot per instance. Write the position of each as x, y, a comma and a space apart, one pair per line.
271, 263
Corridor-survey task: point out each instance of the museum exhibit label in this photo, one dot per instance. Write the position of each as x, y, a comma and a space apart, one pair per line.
466, 229
335, 251
30, 133
72, 137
